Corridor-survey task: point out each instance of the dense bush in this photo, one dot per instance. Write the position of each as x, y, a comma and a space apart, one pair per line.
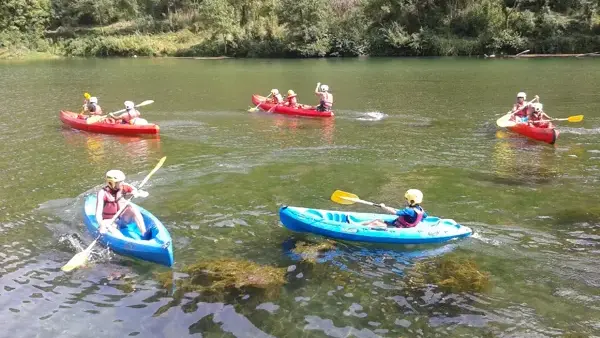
300, 28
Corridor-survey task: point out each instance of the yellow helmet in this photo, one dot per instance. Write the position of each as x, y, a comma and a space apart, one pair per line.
114, 177
291, 93
414, 196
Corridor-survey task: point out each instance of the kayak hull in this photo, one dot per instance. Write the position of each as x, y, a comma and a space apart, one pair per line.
129, 242
70, 119
347, 226
547, 135
308, 111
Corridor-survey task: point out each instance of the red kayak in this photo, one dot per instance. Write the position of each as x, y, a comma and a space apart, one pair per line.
548, 134
303, 110
70, 119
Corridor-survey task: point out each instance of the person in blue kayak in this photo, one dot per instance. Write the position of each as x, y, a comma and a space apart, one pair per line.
111, 199
325, 97
408, 217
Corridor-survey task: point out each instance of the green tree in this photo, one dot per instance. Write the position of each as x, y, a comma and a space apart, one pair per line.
307, 26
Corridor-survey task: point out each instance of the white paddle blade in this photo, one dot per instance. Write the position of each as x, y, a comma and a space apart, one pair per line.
505, 122
79, 259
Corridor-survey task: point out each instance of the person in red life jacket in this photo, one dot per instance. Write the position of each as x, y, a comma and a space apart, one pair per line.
291, 100
325, 98
129, 116
111, 199
520, 109
408, 217
538, 118
90, 107
276, 97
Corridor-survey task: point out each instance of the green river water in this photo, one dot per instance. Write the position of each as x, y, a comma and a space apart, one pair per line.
399, 124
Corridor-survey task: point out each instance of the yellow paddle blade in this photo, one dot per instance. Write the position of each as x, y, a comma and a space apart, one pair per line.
343, 197
87, 96
253, 110
79, 259
576, 118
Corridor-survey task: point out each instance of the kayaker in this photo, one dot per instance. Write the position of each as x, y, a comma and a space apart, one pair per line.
408, 217
276, 97
90, 107
111, 198
291, 99
520, 109
538, 118
325, 98
129, 116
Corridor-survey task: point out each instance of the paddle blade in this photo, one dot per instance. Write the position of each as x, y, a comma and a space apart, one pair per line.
505, 122
253, 110
343, 197
79, 259
160, 163
87, 96
576, 118
145, 103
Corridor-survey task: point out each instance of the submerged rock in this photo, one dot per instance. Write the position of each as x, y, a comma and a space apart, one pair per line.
310, 252
227, 276
451, 273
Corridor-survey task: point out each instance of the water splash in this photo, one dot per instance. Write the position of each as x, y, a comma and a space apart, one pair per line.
372, 116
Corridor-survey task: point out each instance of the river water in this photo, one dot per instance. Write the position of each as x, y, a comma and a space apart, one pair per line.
399, 124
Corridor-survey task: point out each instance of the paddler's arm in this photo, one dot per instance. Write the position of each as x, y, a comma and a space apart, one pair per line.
388, 209
317, 92
99, 209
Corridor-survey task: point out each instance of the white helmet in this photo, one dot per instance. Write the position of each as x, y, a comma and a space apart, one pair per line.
275, 91
523, 95
94, 99
324, 88
129, 105
414, 196
113, 177
538, 107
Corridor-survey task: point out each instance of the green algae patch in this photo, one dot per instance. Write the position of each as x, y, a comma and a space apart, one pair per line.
227, 276
451, 273
310, 252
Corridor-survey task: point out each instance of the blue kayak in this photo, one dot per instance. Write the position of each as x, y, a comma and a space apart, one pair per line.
129, 242
348, 226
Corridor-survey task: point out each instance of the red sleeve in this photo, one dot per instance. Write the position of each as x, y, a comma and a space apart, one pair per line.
127, 189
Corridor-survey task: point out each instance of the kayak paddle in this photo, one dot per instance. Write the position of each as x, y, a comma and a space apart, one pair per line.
575, 118
96, 118
255, 109
80, 258
348, 198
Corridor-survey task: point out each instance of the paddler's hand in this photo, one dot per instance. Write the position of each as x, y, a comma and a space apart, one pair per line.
140, 193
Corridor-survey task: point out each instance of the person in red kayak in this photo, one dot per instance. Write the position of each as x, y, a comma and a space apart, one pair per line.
538, 118
521, 108
276, 97
325, 98
129, 116
91, 107
111, 199
291, 100
408, 217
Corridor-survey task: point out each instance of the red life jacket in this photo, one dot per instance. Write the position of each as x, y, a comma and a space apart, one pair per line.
400, 222
292, 102
520, 109
111, 200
